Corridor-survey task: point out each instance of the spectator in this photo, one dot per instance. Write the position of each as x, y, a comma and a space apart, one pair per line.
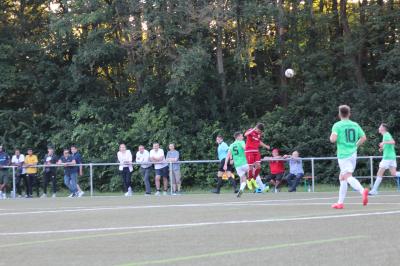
296, 171
79, 169
143, 157
277, 169
70, 172
50, 172
173, 157
31, 161
158, 158
222, 151
125, 167
4, 161
18, 160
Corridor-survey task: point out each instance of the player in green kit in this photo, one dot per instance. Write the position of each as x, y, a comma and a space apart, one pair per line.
348, 136
388, 160
236, 151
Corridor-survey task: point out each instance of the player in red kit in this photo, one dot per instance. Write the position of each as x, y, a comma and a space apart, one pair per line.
253, 155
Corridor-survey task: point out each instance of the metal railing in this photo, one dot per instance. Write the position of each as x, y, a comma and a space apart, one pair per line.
91, 166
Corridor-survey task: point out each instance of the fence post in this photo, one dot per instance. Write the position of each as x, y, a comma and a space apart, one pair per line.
312, 174
371, 165
91, 179
14, 186
170, 177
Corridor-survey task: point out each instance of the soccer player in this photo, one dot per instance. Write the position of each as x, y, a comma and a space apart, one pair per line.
388, 160
237, 153
348, 136
253, 155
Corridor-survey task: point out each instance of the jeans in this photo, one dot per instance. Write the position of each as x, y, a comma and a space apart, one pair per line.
293, 181
47, 177
145, 172
126, 178
70, 181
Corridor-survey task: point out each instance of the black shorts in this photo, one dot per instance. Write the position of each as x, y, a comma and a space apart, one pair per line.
222, 164
163, 172
276, 177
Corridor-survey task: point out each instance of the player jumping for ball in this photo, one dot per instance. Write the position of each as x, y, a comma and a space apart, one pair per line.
388, 160
253, 155
237, 153
348, 136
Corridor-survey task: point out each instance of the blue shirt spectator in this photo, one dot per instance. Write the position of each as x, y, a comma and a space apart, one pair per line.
68, 170
174, 155
78, 160
296, 166
4, 158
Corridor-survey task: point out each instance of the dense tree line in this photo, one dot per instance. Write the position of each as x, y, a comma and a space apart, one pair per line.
97, 72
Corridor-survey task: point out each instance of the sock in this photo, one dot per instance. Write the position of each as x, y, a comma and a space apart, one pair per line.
342, 191
355, 184
260, 183
377, 183
250, 174
257, 171
243, 186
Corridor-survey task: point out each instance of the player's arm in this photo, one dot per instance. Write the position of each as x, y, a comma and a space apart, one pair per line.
228, 157
265, 145
248, 132
333, 137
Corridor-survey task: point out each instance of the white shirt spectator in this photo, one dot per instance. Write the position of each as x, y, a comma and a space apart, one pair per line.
125, 160
158, 154
19, 160
143, 159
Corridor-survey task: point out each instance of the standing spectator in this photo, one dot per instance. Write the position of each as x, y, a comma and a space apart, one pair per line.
50, 172
157, 157
143, 157
31, 161
125, 167
296, 171
222, 151
18, 160
173, 157
70, 172
4, 161
277, 169
79, 169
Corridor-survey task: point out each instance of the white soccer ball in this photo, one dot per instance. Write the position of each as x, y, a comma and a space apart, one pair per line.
289, 73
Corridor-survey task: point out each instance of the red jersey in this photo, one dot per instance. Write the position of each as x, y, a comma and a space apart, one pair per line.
253, 141
277, 167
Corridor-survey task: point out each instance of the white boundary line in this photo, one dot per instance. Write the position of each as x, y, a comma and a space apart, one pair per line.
201, 224
277, 202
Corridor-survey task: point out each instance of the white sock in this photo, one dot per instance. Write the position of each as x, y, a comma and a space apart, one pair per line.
355, 184
259, 182
377, 183
243, 185
342, 191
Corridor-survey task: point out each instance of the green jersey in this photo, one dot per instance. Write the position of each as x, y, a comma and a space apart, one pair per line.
388, 149
348, 133
237, 151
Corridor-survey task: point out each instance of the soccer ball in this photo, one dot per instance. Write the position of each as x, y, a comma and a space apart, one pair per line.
289, 73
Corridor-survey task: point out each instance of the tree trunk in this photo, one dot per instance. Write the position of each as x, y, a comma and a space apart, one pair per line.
280, 28
220, 57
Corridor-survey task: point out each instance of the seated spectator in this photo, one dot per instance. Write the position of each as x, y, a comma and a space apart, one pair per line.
4, 161
125, 167
31, 161
18, 160
143, 157
50, 172
277, 170
296, 171
173, 156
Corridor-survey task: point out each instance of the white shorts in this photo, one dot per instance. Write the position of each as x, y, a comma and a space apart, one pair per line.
387, 164
348, 165
242, 170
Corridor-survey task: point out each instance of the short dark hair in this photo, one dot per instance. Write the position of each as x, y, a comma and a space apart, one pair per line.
260, 126
74, 146
220, 137
237, 134
344, 111
66, 149
385, 126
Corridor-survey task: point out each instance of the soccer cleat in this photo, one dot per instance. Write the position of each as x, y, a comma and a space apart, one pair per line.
372, 193
258, 190
249, 185
255, 185
365, 196
337, 206
239, 193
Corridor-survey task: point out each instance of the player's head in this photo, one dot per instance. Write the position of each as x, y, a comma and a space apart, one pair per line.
122, 147
383, 128
238, 135
156, 146
30, 151
171, 146
141, 148
74, 149
219, 139
295, 154
275, 152
260, 127
17, 151
344, 111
